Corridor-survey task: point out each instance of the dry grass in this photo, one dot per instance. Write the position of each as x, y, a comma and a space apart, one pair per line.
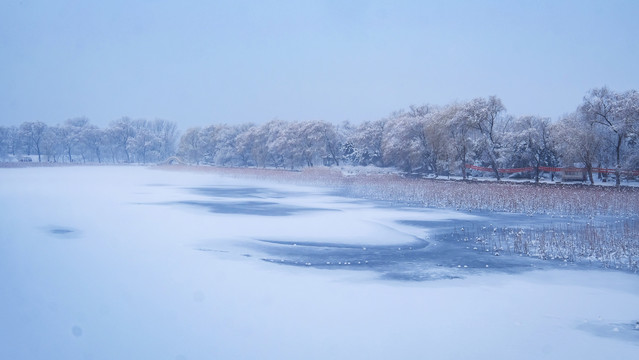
609, 244
505, 197
495, 196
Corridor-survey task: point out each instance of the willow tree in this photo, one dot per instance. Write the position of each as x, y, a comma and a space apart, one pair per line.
618, 113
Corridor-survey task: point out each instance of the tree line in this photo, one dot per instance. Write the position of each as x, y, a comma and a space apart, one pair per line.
77, 140
428, 139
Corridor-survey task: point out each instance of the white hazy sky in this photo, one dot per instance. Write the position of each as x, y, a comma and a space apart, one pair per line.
204, 62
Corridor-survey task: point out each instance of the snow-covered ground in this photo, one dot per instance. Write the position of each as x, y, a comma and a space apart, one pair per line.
139, 263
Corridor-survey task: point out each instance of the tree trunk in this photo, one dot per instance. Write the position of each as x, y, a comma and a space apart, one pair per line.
589, 171
618, 169
463, 164
493, 165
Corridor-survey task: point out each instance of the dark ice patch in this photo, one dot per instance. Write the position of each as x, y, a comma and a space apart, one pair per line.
620, 331
60, 231
422, 260
427, 224
76, 331
260, 208
240, 192
211, 250
413, 276
417, 244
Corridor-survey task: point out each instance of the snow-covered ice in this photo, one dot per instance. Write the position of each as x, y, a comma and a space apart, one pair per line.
140, 263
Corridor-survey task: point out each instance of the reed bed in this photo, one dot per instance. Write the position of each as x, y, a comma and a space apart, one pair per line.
596, 224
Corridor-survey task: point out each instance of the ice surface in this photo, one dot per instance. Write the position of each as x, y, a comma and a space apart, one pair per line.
107, 263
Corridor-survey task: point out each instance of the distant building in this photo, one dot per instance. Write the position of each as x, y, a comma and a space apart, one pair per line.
573, 174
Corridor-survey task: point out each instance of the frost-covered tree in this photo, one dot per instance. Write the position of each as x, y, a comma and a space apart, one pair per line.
208, 138
365, 143
461, 134
242, 143
52, 146
251, 149
313, 139
70, 135
618, 113
485, 116
227, 153
332, 139
119, 134
413, 140
263, 145
9, 141
577, 141
218, 144
14, 140
528, 144
438, 140
286, 145
189, 148
166, 134
32, 134
403, 143
279, 140
93, 139
145, 143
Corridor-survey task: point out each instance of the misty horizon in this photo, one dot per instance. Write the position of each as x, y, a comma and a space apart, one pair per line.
238, 62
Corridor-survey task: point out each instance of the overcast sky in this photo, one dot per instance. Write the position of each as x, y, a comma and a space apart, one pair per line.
205, 62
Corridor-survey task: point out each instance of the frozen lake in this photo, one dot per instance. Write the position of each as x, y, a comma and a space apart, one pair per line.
132, 262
